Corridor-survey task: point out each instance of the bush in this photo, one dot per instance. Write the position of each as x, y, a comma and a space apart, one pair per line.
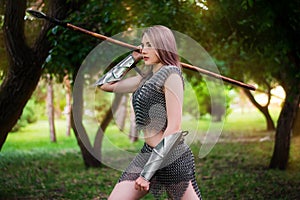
28, 116
208, 98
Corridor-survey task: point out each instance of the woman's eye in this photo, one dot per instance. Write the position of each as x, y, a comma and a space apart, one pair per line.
148, 45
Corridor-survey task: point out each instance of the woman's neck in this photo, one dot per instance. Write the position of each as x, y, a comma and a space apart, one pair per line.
156, 67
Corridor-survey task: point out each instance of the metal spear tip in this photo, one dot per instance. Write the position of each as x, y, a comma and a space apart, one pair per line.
36, 13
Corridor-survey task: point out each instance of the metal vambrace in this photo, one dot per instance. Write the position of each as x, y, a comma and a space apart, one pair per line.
160, 154
117, 72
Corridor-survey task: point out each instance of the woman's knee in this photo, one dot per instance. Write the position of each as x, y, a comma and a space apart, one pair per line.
125, 190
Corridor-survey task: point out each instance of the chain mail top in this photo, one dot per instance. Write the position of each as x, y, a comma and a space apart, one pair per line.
149, 101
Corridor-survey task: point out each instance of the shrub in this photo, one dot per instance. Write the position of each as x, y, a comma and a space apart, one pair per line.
28, 116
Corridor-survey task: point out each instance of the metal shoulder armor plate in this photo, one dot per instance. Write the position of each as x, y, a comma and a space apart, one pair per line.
117, 72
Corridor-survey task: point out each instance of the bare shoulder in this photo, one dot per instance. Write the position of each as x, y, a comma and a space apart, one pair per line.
174, 85
174, 78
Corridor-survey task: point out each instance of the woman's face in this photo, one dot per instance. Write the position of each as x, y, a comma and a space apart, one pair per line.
149, 54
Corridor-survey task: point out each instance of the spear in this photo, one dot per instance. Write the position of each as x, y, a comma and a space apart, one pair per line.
42, 15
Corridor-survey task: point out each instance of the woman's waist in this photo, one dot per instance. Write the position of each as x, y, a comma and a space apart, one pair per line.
152, 137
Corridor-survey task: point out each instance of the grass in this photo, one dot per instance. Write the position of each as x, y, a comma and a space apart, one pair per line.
239, 171
34, 168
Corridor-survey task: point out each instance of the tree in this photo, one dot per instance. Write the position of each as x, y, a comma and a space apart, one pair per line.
98, 17
25, 62
296, 127
50, 108
121, 113
210, 101
68, 107
218, 35
269, 31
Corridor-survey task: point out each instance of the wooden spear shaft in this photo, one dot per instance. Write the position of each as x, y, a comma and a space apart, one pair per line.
39, 14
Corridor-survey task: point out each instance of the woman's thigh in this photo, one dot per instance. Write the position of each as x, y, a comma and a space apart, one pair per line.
125, 190
190, 193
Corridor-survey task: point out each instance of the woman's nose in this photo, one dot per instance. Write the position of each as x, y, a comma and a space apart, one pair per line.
144, 50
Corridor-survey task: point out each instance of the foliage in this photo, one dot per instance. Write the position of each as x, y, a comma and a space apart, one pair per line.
28, 116
210, 101
150, 13
35, 109
70, 48
258, 36
269, 33
32, 28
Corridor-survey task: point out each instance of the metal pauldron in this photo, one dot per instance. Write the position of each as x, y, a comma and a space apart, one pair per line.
160, 154
117, 72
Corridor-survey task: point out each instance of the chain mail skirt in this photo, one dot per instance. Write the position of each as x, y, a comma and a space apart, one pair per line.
172, 179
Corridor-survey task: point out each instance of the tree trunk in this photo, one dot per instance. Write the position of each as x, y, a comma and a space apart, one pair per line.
263, 109
82, 140
296, 127
24, 70
121, 113
91, 155
133, 134
101, 130
87, 151
68, 104
50, 108
283, 132
25, 63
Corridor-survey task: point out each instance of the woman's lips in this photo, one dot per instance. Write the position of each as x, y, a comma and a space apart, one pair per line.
146, 58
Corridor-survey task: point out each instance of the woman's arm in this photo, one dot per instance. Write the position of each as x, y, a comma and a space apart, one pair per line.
111, 81
174, 102
127, 85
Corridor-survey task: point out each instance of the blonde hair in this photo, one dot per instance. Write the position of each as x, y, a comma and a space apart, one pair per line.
164, 43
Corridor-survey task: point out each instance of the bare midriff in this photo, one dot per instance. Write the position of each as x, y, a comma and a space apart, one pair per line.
152, 138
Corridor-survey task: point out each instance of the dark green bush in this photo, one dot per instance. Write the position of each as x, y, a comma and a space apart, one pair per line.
28, 116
